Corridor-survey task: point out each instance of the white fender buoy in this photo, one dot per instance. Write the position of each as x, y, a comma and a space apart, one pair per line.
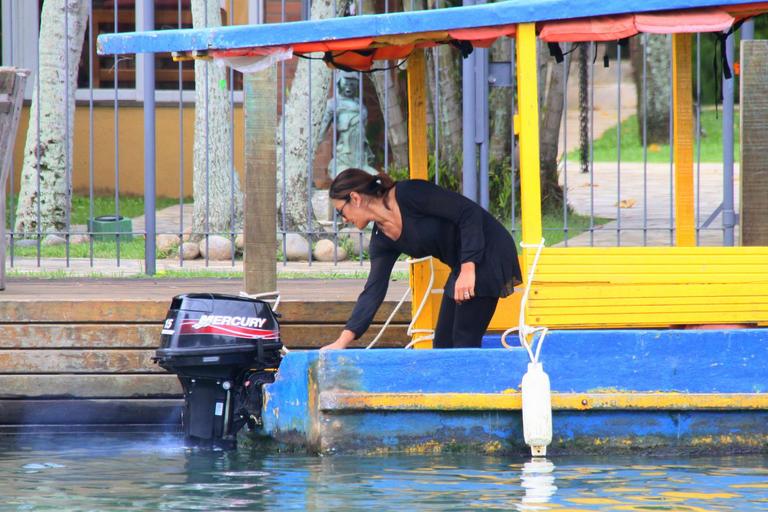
537, 409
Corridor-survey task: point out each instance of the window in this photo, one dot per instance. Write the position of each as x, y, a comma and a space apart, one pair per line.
19, 47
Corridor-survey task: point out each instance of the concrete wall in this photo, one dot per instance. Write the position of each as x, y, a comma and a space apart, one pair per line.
130, 148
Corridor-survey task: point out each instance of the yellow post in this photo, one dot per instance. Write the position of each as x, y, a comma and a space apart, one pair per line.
528, 108
417, 115
682, 98
417, 156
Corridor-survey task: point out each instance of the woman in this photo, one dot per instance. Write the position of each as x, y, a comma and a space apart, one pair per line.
420, 219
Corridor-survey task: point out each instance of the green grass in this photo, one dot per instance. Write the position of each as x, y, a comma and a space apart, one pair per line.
632, 147
130, 206
128, 250
552, 227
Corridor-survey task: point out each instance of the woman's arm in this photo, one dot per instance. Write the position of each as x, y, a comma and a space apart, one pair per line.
370, 298
345, 338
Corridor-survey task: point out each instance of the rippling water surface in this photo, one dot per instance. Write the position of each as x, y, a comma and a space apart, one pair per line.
151, 472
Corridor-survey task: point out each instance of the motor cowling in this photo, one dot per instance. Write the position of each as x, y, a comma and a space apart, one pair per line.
223, 348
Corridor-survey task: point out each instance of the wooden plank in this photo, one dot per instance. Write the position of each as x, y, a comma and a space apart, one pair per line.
620, 308
104, 311
660, 293
126, 336
91, 412
639, 319
12, 83
66, 311
650, 251
589, 303
89, 386
682, 99
260, 181
651, 278
754, 143
77, 361
609, 268
546, 261
80, 335
315, 336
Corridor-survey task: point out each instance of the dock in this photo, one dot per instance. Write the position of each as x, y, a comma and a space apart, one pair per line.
77, 353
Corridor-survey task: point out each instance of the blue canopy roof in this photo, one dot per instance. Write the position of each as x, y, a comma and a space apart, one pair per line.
283, 34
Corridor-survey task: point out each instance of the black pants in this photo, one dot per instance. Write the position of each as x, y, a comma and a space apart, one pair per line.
463, 325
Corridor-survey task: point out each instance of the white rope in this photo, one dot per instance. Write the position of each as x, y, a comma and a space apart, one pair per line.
523, 330
429, 333
261, 296
275, 304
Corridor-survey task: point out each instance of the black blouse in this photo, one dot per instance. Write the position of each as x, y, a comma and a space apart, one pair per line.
448, 226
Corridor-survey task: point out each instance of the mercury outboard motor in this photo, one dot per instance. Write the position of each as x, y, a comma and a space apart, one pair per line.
223, 348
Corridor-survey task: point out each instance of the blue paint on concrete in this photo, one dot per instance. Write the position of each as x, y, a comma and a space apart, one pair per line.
510, 11
287, 399
732, 361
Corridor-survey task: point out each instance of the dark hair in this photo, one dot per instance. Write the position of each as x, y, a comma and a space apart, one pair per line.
357, 180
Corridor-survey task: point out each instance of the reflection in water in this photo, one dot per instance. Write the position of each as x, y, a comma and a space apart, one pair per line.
85, 472
538, 480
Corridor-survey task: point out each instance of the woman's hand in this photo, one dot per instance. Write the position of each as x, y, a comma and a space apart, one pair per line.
345, 338
465, 283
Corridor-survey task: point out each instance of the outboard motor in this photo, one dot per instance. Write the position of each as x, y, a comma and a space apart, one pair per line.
223, 348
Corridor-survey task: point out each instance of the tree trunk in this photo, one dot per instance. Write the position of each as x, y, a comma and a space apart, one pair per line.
215, 185
449, 108
499, 106
303, 114
658, 89
446, 86
390, 93
584, 109
46, 176
549, 133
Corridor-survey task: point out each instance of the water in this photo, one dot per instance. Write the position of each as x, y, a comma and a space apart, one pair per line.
131, 472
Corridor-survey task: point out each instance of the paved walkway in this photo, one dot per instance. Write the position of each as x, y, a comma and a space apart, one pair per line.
620, 194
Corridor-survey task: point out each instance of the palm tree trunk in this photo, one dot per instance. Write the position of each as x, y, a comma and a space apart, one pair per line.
390, 93
658, 85
304, 108
216, 188
499, 106
549, 133
46, 176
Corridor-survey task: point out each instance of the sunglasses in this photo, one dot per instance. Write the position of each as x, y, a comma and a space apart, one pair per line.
340, 211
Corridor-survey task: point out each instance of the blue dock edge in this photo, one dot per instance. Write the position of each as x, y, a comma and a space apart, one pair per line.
661, 391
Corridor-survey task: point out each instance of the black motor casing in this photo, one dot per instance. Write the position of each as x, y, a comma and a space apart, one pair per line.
223, 348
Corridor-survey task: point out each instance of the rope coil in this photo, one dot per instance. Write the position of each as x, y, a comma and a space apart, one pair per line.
525, 331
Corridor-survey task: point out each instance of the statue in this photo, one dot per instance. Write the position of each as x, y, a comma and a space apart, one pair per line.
351, 115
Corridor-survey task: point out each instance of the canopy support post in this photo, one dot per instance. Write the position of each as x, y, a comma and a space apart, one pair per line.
419, 165
417, 116
259, 204
683, 141
528, 108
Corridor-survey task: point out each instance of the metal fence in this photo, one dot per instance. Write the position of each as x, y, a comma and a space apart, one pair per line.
622, 199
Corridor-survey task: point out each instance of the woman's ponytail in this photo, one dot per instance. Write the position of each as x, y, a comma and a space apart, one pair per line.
357, 180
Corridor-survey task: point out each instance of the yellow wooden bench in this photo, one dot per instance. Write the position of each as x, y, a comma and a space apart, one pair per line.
613, 287
628, 287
